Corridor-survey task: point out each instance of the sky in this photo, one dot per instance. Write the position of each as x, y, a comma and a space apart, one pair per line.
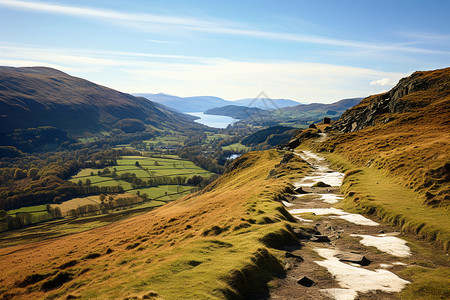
307, 51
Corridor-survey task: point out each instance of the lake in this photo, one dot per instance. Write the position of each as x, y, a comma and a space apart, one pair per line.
213, 120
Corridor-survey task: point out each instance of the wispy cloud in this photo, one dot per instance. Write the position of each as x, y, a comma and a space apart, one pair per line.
189, 76
162, 42
154, 22
383, 82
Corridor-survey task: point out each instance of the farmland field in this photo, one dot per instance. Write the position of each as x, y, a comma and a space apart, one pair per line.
236, 147
147, 167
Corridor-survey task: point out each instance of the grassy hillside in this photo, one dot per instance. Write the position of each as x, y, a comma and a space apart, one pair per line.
405, 132
395, 148
218, 243
38, 96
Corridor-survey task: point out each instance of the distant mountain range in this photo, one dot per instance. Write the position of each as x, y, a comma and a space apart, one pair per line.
299, 114
40, 96
203, 103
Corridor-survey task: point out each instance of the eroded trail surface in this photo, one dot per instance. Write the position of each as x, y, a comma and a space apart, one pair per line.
349, 256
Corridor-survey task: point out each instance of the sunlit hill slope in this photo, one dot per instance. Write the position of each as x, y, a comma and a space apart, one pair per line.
40, 96
406, 132
219, 243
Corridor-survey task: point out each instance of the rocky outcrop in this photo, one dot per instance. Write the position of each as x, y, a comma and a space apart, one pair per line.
411, 93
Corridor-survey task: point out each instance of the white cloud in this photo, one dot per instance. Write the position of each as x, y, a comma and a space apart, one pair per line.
383, 82
156, 23
191, 76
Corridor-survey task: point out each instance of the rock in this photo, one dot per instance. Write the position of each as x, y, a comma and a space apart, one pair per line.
353, 258
321, 184
313, 126
300, 190
290, 255
150, 295
326, 120
301, 234
320, 239
287, 266
305, 281
289, 198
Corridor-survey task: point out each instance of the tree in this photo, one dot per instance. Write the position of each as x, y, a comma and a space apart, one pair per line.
88, 182
102, 197
33, 173
19, 174
137, 164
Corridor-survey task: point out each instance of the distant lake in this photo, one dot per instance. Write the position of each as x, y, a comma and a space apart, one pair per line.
213, 120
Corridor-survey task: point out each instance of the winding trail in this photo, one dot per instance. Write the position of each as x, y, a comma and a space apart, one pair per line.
349, 257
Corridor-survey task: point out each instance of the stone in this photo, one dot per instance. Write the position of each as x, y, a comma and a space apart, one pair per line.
326, 120
296, 257
300, 190
301, 234
305, 281
320, 239
353, 258
313, 126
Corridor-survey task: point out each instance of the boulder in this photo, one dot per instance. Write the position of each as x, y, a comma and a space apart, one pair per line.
305, 281
296, 257
320, 239
300, 190
353, 258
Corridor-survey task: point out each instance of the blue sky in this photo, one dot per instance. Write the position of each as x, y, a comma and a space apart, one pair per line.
308, 51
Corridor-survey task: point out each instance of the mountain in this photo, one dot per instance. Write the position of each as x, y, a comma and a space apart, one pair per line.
266, 103
405, 132
203, 103
39, 96
303, 114
335, 108
271, 136
234, 111
186, 104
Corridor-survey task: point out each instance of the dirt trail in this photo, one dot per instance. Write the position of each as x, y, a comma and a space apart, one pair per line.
350, 257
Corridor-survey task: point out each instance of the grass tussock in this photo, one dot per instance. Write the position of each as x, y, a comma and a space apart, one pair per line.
428, 283
215, 244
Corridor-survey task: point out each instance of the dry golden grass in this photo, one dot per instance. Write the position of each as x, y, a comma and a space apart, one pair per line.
413, 148
213, 244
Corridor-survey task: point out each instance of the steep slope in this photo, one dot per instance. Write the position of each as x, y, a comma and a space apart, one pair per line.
219, 243
405, 132
39, 96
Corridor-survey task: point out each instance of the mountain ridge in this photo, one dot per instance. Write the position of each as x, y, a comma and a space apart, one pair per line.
203, 103
39, 96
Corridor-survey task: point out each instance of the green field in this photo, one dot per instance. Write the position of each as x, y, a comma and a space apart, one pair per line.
238, 147
36, 211
168, 139
149, 167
